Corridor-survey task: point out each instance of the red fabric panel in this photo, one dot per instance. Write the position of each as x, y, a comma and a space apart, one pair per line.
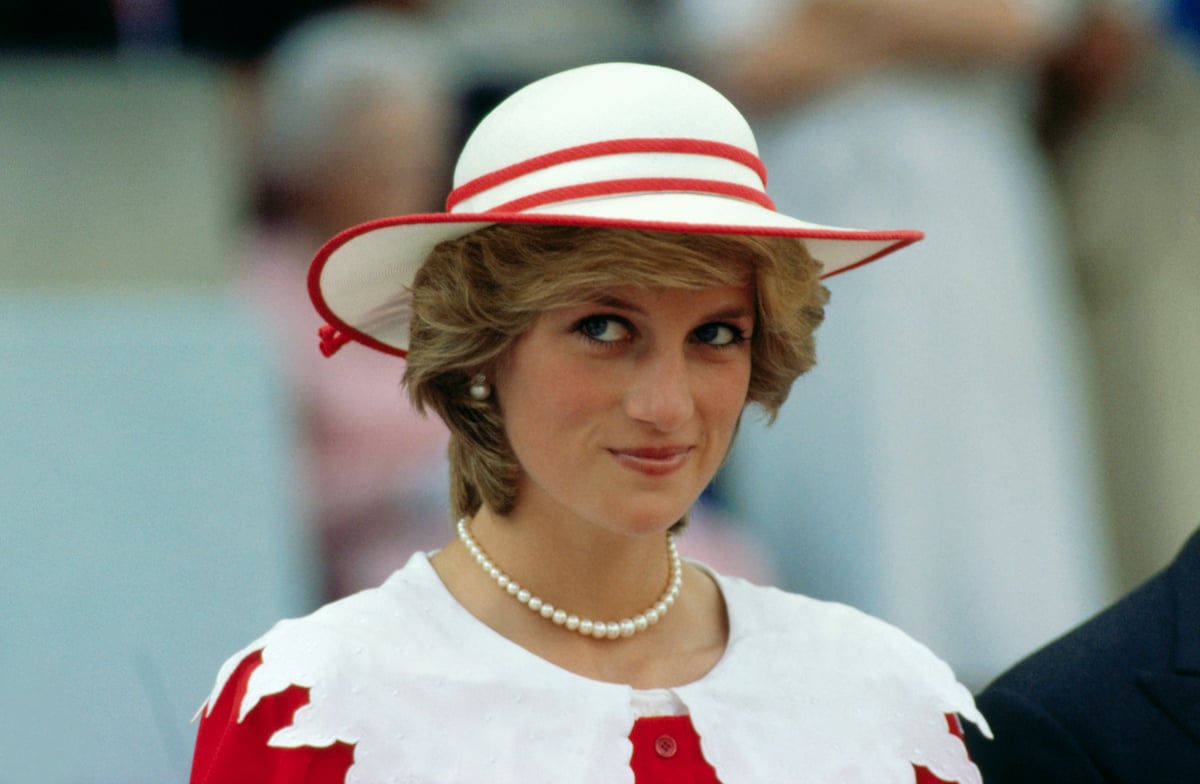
666, 750
231, 753
925, 777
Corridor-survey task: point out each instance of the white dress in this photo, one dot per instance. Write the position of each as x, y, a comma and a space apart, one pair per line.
936, 467
805, 691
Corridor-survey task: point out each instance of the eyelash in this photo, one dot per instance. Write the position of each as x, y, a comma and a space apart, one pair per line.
737, 337
582, 324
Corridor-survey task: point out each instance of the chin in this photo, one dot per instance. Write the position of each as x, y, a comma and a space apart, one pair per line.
653, 519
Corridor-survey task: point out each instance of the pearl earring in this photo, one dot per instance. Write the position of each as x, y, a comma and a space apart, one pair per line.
480, 389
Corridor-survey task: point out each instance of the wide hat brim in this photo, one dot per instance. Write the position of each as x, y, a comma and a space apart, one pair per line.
651, 149
358, 279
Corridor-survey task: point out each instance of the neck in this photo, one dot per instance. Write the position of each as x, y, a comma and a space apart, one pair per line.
593, 573
608, 577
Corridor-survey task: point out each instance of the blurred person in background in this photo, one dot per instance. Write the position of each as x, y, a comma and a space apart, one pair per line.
955, 409
1118, 698
1121, 116
357, 117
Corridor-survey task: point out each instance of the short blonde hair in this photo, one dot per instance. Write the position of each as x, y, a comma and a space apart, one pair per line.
475, 295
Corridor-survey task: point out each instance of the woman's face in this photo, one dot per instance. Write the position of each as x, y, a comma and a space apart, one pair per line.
621, 410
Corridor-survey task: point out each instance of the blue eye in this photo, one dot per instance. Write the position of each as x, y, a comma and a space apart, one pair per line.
603, 329
719, 335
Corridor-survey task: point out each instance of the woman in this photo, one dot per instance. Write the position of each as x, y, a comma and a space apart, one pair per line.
608, 291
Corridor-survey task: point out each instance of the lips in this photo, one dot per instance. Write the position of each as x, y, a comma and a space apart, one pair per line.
653, 461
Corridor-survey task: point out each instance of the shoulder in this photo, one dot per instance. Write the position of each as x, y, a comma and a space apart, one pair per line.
841, 631
233, 750
812, 671
331, 644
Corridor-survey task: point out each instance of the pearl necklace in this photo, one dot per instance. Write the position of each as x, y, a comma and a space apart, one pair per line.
611, 630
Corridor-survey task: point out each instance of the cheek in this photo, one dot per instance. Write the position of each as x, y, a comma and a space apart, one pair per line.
727, 394
553, 404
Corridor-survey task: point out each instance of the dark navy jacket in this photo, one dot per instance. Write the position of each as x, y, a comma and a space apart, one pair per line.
1115, 700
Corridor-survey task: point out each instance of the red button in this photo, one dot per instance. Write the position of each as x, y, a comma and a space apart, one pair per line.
666, 746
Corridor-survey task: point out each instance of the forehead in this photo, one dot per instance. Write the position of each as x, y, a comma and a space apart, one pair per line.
721, 300
652, 268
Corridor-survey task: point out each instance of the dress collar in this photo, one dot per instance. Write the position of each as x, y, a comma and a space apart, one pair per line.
421, 687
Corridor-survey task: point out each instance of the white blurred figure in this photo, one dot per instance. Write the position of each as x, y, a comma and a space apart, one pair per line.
939, 471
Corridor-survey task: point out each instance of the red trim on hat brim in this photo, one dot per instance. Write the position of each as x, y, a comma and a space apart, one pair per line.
634, 185
920, 235
902, 238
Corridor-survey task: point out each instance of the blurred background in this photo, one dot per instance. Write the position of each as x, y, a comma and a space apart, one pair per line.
999, 438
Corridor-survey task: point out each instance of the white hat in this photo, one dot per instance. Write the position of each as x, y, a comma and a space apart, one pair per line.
618, 145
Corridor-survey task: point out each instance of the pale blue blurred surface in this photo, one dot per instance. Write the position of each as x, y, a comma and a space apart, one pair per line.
147, 527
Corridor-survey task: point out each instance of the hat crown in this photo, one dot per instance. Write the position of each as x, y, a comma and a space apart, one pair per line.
608, 103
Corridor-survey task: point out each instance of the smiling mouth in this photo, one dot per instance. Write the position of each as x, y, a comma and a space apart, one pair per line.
653, 461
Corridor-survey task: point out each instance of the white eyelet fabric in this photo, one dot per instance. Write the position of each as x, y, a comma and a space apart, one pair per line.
806, 691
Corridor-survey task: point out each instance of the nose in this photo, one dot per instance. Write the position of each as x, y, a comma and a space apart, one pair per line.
660, 392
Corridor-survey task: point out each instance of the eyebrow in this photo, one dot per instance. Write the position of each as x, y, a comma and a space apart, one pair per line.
723, 314
611, 301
